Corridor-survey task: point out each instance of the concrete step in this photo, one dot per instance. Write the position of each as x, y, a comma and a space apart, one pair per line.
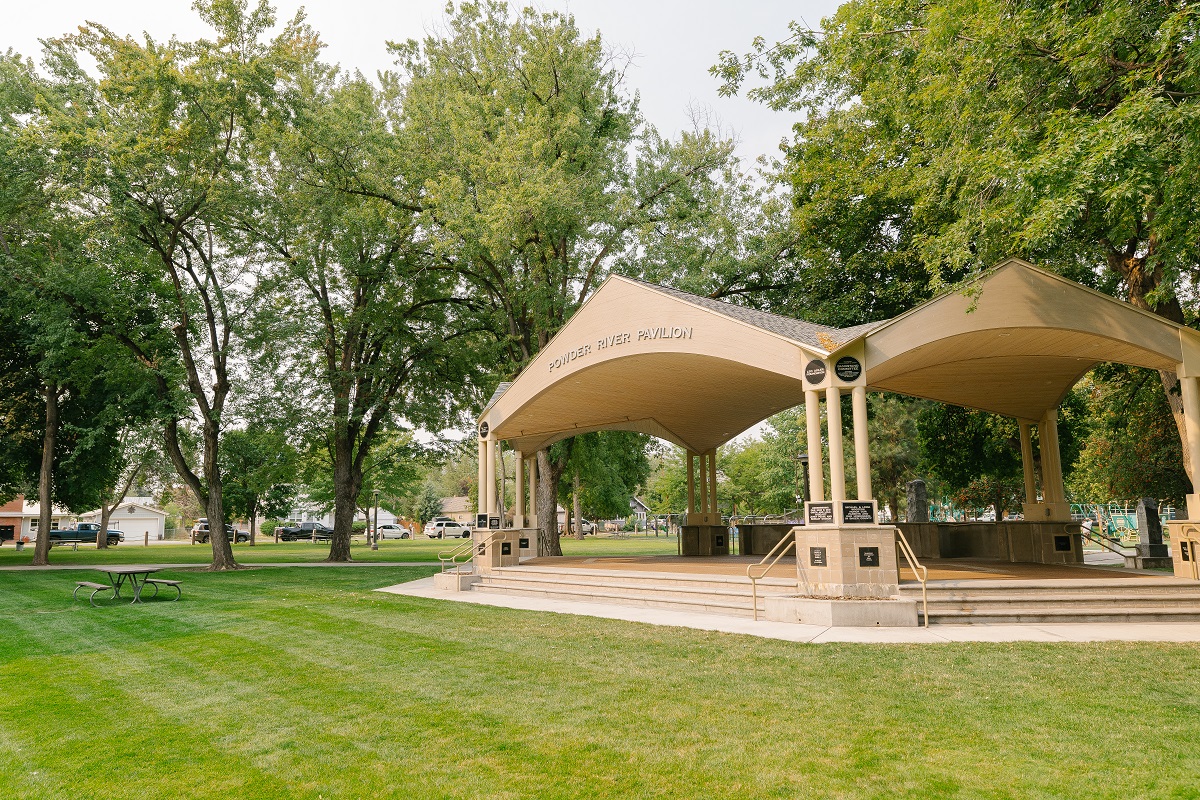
1053, 614
996, 602
641, 578
739, 607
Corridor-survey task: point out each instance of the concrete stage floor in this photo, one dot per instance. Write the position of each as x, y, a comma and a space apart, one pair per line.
939, 569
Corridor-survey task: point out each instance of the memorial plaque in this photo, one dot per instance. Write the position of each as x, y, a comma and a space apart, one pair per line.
524, 544
814, 371
1183, 551
820, 512
482, 549
858, 513
1062, 544
817, 557
868, 556
494, 523
720, 540
483, 430
847, 369
506, 548
481, 520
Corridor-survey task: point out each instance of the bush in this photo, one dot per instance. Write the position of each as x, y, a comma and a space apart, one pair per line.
358, 526
268, 527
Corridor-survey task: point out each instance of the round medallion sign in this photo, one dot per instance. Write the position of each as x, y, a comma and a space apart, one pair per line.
483, 430
847, 369
814, 371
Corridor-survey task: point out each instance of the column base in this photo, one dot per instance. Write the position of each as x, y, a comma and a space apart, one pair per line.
1046, 512
847, 562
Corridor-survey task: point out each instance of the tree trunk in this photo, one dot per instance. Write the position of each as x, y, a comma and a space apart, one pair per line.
215, 508
547, 504
577, 506
253, 510
347, 482
102, 534
893, 504
41, 549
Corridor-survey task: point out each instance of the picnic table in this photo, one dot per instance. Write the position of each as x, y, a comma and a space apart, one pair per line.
119, 575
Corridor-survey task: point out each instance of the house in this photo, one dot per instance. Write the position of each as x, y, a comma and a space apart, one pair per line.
10, 518
136, 520
23, 517
639, 510
459, 509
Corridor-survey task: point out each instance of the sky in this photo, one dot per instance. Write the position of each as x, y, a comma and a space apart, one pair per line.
674, 42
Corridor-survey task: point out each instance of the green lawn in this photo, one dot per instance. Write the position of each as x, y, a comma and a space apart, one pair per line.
419, 549
302, 683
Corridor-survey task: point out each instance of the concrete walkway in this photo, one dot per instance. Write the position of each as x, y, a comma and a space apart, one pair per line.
817, 634
202, 565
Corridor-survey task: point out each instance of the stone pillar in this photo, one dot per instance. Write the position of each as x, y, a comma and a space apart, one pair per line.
1027, 462
519, 489
1150, 541
1190, 390
833, 421
703, 476
918, 501
1052, 479
490, 472
816, 461
862, 447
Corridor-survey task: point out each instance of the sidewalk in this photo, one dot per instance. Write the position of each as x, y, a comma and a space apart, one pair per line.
816, 634
52, 567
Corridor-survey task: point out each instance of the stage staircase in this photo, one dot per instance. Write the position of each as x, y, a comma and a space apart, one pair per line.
1101, 600
727, 595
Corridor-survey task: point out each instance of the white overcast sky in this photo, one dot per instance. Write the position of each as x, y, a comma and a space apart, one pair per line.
675, 42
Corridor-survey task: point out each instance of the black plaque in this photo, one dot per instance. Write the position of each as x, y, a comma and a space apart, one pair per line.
506, 548
814, 371
720, 540
483, 430
481, 520
482, 549
494, 523
847, 369
817, 557
820, 512
1062, 544
1183, 551
524, 544
868, 556
857, 512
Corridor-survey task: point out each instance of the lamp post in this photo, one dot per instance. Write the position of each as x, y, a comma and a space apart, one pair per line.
375, 531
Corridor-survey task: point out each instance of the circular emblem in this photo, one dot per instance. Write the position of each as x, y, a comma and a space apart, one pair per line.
483, 430
814, 371
847, 369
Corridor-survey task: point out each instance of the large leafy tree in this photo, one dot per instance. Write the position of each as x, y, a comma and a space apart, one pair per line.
946, 136
160, 146
606, 469
524, 129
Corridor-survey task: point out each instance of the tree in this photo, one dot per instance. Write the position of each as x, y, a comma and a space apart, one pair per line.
606, 469
351, 283
426, 504
259, 465
160, 148
895, 450
947, 136
523, 130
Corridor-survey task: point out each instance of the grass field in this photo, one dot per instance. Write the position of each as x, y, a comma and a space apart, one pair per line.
419, 549
302, 683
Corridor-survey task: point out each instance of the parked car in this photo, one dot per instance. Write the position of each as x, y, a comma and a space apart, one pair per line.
201, 532
588, 526
305, 530
86, 532
394, 532
446, 529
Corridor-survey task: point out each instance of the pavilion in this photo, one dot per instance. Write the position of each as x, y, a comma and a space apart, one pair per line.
698, 372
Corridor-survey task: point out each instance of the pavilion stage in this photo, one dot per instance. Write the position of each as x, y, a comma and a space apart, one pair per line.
960, 591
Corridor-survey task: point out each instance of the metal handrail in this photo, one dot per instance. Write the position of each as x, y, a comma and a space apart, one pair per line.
451, 557
789, 540
921, 571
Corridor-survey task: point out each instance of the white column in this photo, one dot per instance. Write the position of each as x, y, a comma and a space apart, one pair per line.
833, 421
862, 446
533, 486
816, 462
1027, 462
691, 483
519, 490
712, 492
490, 456
1190, 390
1052, 479
481, 496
